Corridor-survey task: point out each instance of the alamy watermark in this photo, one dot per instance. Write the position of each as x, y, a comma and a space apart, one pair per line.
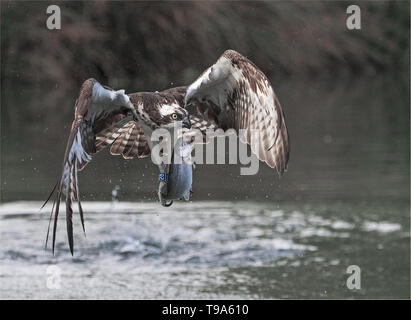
53, 281
54, 19
353, 21
354, 280
195, 146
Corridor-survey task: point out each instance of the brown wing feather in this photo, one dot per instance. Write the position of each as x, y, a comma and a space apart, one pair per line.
234, 93
126, 138
81, 145
82, 106
201, 125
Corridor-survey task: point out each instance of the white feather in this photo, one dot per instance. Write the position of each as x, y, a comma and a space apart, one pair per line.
105, 101
102, 95
166, 110
216, 83
77, 151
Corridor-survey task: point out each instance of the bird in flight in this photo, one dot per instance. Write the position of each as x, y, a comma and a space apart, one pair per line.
231, 94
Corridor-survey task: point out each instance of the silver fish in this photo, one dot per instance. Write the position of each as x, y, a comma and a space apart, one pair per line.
175, 179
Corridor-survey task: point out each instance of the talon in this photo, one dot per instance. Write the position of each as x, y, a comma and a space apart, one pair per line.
165, 204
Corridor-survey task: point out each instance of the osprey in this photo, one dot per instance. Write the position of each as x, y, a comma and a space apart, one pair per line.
231, 94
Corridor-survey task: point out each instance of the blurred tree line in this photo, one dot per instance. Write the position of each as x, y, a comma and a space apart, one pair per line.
150, 44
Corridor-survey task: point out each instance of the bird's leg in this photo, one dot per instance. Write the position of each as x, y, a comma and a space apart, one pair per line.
162, 188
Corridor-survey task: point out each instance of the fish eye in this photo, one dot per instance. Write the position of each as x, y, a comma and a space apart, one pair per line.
174, 116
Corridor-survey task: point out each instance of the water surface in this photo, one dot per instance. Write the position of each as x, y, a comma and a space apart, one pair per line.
216, 250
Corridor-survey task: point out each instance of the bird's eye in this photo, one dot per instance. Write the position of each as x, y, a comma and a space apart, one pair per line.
174, 116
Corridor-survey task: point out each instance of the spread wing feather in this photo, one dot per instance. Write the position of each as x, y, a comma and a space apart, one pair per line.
234, 93
126, 138
97, 108
201, 125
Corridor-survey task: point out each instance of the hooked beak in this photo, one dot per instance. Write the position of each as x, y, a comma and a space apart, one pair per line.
187, 123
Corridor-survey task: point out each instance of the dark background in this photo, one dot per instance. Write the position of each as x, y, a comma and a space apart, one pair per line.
345, 93
344, 200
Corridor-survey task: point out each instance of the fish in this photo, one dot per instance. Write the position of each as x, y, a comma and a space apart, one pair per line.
176, 178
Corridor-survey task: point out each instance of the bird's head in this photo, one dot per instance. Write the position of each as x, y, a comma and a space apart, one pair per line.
171, 115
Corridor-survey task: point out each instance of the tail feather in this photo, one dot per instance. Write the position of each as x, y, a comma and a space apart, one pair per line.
52, 210
67, 186
56, 214
70, 196
80, 208
75, 158
50, 195
62, 189
50, 219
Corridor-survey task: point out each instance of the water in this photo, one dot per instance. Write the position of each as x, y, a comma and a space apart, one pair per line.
344, 201
349, 141
208, 249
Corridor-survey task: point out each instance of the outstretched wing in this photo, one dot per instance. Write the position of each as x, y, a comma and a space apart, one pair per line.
97, 109
234, 93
